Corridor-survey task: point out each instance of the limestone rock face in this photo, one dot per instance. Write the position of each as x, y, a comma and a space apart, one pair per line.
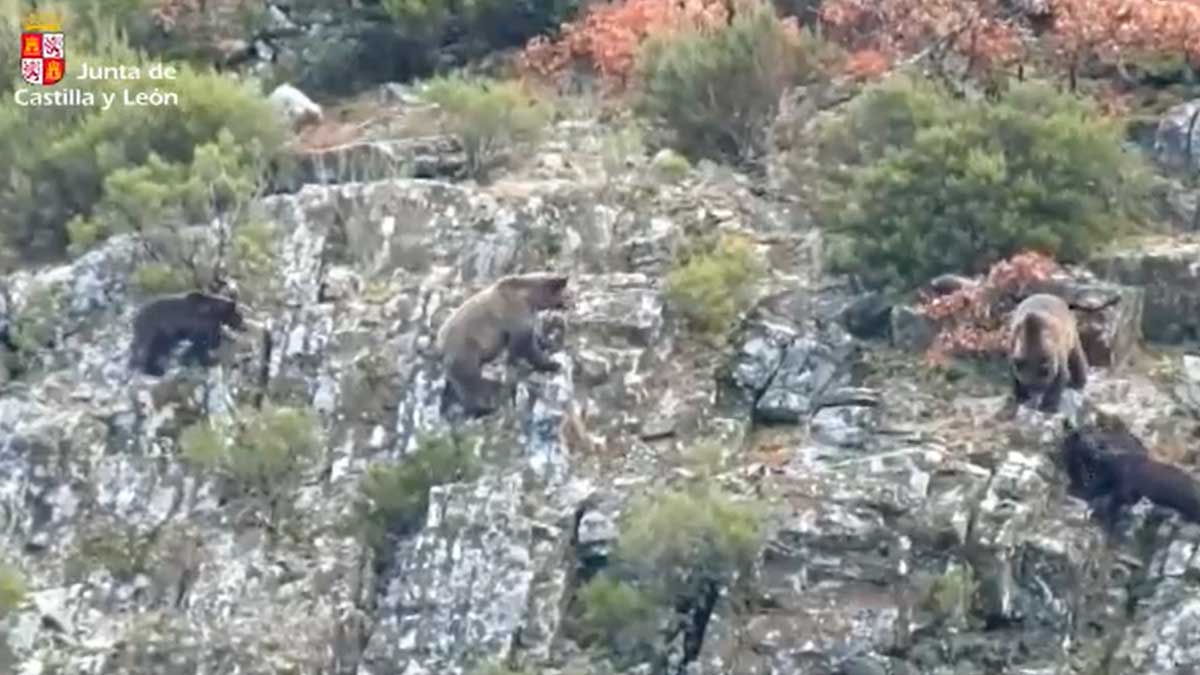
1173, 147
1168, 272
913, 525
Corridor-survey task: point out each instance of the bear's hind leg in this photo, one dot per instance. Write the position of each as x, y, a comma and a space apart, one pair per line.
151, 359
475, 393
1077, 367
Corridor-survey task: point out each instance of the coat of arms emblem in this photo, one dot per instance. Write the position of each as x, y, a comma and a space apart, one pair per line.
42, 58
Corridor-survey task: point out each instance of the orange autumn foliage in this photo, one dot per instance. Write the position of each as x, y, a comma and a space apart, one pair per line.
989, 33
970, 320
609, 35
898, 28
1106, 29
866, 64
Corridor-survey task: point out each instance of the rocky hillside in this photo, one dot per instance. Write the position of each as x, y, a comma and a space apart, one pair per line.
752, 461
910, 527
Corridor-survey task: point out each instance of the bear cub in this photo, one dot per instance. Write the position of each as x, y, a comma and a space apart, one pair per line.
1044, 351
501, 316
1114, 467
163, 323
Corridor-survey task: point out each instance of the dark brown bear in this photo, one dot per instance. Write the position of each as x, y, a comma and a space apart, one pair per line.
1087, 450
1114, 465
163, 323
498, 317
1044, 350
1131, 477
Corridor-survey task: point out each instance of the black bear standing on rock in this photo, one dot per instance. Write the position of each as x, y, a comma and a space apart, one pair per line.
163, 323
1112, 469
498, 317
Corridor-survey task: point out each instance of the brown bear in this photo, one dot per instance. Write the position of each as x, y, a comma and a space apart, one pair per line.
1131, 477
166, 321
1044, 350
498, 317
1125, 477
1086, 450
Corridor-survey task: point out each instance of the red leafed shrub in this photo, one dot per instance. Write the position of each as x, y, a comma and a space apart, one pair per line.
608, 37
1105, 29
977, 29
971, 319
867, 64
990, 33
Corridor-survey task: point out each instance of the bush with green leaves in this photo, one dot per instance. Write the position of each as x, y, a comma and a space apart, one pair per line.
158, 202
264, 457
121, 551
483, 25
920, 183
488, 116
12, 589
96, 168
710, 286
676, 549
33, 327
716, 92
395, 496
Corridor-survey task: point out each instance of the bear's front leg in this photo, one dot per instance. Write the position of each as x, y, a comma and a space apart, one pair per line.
524, 345
200, 349
1053, 395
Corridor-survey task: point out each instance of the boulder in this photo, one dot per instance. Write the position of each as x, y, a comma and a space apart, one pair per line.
370, 160
1177, 139
294, 107
1169, 276
912, 330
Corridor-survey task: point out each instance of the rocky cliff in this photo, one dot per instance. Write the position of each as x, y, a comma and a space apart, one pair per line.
912, 527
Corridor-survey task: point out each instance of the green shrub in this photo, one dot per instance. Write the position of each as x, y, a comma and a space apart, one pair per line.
395, 497
616, 614
265, 457
681, 540
10, 32
711, 287
921, 183
483, 25
34, 326
12, 589
716, 92
157, 278
487, 116
675, 550
157, 201
91, 167
950, 593
671, 165
119, 551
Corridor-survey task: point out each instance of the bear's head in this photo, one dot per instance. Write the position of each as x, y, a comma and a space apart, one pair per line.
537, 290
545, 290
221, 309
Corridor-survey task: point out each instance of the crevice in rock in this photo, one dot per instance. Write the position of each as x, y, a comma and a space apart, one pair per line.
354, 632
264, 369
698, 612
333, 249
